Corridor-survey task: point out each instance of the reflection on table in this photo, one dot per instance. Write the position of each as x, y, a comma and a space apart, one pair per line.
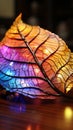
37, 115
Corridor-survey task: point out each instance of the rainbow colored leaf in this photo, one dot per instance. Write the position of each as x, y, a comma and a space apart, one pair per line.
35, 62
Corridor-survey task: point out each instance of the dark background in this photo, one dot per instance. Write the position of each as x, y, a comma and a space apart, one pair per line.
49, 14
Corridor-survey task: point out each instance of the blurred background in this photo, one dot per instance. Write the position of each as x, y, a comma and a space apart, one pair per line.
54, 15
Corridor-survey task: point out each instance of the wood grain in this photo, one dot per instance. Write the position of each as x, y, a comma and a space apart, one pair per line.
39, 115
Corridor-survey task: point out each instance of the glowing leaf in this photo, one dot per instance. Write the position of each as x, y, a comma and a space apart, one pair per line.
35, 62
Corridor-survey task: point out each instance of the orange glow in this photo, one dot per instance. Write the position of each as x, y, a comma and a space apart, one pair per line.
29, 127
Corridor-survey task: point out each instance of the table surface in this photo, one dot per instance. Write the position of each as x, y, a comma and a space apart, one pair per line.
38, 115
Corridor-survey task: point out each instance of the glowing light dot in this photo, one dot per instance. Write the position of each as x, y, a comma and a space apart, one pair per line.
9, 72
60, 76
11, 63
37, 70
46, 51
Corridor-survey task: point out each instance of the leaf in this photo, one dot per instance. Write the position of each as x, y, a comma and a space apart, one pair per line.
35, 62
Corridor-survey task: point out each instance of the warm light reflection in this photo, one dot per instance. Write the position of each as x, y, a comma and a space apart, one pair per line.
68, 113
29, 127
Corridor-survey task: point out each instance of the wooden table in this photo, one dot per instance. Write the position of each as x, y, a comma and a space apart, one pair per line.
39, 115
